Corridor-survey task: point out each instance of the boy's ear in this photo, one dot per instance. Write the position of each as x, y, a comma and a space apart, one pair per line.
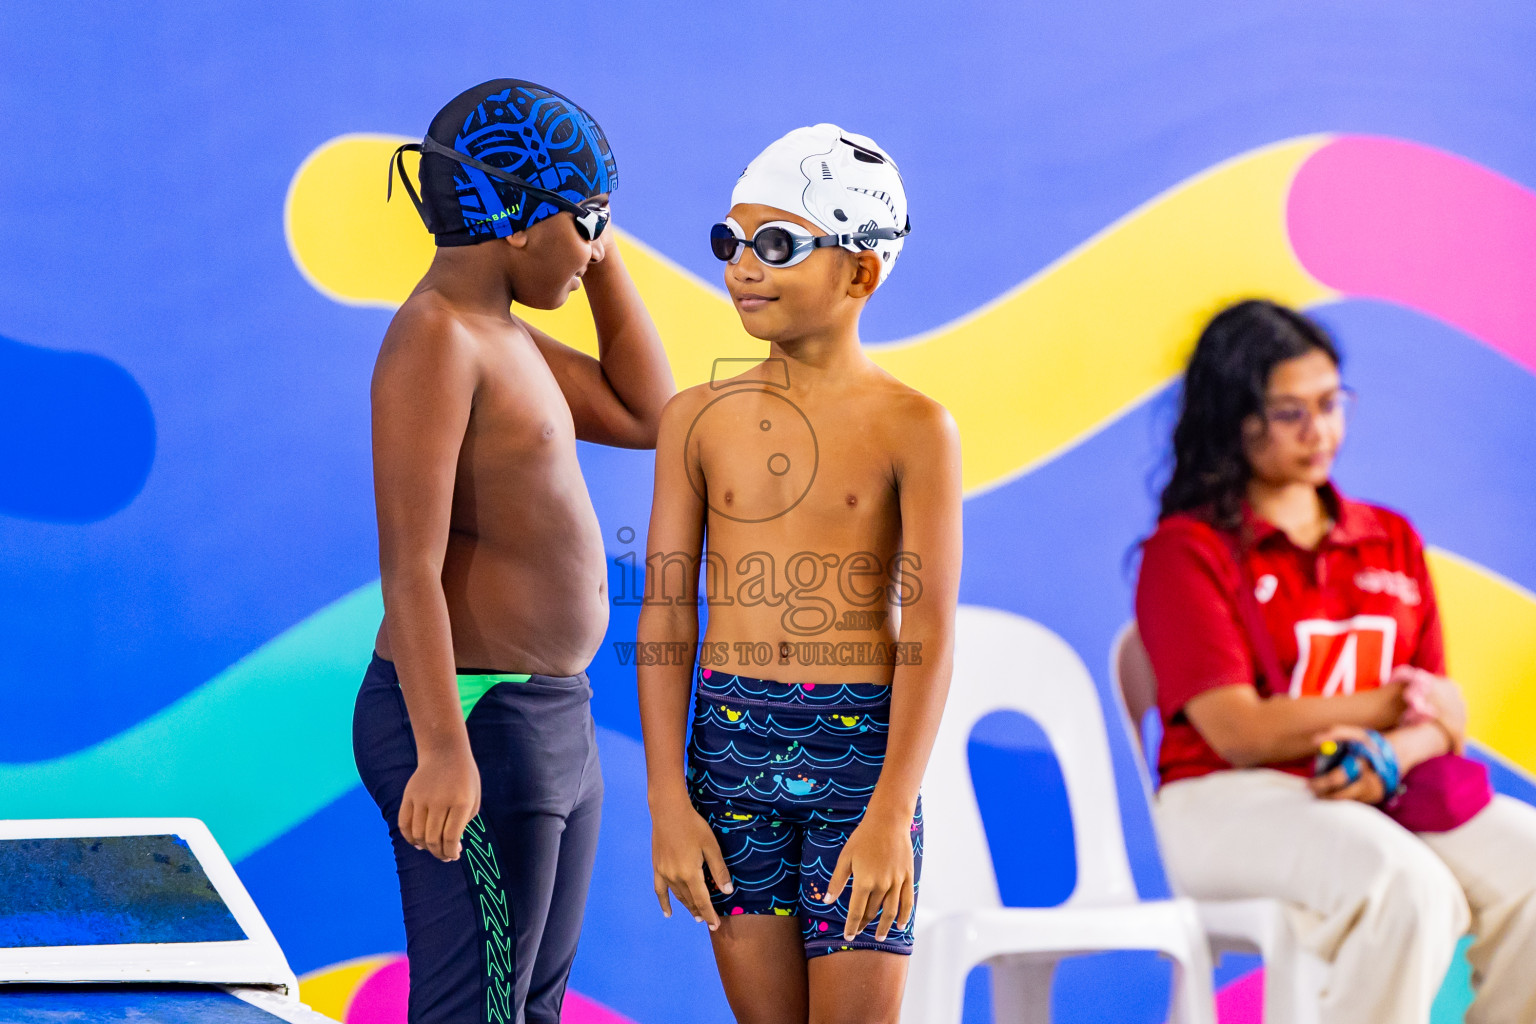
518, 239
866, 274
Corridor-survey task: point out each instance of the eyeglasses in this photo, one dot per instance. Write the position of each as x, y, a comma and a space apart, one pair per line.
591, 215
1292, 415
780, 243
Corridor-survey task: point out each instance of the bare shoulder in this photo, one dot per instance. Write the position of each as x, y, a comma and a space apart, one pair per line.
684, 406
916, 422
424, 327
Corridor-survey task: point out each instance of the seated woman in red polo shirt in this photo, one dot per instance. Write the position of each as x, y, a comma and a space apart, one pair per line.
1341, 590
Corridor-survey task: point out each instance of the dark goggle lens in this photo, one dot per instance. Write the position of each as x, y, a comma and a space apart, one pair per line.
723, 242
774, 246
590, 224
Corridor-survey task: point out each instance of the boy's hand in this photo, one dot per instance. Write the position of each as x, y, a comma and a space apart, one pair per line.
602, 245
443, 794
682, 843
878, 856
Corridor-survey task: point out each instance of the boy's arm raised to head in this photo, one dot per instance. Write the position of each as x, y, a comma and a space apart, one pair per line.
617, 398
878, 855
423, 388
681, 840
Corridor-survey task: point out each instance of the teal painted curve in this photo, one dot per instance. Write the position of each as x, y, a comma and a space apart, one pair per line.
252, 752
1456, 992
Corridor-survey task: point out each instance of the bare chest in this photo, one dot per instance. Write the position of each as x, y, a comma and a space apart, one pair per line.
759, 459
519, 417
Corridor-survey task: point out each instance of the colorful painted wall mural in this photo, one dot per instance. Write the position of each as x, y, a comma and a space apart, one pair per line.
198, 264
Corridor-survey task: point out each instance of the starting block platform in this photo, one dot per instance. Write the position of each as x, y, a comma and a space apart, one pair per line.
113, 920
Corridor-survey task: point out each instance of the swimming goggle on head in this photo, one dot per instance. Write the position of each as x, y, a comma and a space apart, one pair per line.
780, 243
591, 215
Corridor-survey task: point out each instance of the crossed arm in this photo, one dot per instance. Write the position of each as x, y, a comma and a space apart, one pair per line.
1249, 731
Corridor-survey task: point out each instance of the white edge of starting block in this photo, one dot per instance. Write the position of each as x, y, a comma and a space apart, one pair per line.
283, 1007
256, 960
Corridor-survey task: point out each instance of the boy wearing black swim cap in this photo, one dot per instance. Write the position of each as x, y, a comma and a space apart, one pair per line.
829, 493
472, 730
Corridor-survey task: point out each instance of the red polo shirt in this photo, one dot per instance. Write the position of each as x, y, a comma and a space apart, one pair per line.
1341, 617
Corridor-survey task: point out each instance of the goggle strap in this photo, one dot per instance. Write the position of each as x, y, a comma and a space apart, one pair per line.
431, 145
877, 235
397, 162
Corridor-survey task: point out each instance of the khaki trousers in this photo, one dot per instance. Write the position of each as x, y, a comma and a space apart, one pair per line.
1383, 906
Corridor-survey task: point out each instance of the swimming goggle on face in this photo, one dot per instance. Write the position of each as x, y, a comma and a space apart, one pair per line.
591, 215
780, 243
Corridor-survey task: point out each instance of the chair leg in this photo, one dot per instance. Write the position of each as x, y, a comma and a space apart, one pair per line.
1021, 989
935, 992
1194, 990
1293, 983
1192, 1002
1282, 997
1311, 976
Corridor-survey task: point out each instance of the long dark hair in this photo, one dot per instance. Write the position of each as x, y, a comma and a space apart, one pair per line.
1224, 384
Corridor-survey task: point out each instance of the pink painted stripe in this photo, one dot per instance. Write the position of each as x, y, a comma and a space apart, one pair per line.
383, 995
578, 1009
1242, 1001
380, 999
1388, 219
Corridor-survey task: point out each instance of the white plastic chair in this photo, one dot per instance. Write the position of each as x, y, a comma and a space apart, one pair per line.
1293, 975
1006, 662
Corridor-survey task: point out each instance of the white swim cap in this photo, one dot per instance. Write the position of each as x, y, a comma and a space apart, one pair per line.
837, 180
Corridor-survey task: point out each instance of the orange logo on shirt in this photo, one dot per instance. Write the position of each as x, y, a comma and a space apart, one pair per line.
1342, 657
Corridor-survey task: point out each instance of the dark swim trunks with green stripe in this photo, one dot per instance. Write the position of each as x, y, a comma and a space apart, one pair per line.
491, 937
475, 683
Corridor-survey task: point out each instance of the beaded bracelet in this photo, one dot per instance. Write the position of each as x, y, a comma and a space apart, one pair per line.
1383, 760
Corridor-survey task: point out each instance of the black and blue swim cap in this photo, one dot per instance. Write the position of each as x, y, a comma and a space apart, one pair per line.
518, 127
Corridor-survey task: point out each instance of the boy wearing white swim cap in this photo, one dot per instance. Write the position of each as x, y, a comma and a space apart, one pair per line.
829, 493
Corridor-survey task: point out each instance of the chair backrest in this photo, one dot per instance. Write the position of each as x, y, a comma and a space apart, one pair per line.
1005, 662
1135, 690
1134, 678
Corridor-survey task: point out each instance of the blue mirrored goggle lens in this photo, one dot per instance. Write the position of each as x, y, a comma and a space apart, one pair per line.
724, 243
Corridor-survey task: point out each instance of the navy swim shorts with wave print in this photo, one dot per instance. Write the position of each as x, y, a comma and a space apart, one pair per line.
783, 773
